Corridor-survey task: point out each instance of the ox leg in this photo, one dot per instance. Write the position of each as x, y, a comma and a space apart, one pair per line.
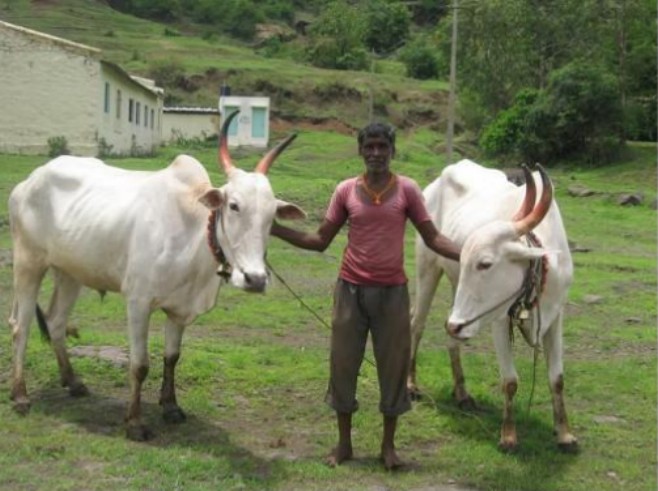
62, 302
171, 411
27, 280
553, 352
464, 400
427, 279
508, 439
138, 320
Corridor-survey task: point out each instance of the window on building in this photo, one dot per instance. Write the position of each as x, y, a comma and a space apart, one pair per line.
131, 104
118, 104
107, 98
137, 110
152, 117
146, 115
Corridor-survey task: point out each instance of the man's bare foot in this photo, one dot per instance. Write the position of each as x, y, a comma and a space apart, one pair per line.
339, 455
390, 459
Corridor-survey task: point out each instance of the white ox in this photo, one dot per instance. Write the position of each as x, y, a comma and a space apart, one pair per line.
475, 207
152, 236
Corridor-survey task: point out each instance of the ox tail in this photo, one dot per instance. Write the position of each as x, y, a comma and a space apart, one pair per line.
43, 325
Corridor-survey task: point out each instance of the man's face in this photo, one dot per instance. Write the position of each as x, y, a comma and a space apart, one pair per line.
377, 153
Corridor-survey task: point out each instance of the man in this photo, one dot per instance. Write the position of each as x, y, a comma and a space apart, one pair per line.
371, 292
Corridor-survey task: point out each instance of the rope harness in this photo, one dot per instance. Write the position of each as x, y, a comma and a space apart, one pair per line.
519, 312
530, 292
225, 269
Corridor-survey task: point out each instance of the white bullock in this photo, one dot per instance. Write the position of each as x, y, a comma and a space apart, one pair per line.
162, 239
515, 270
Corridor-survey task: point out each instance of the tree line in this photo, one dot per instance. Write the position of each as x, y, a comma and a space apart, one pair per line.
538, 79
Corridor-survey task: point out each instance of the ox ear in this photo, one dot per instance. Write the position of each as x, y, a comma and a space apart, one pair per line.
288, 211
516, 251
212, 199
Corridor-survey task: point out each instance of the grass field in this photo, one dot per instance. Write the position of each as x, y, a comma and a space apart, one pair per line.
253, 370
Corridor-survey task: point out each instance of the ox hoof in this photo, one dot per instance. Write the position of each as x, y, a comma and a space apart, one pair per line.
21, 406
467, 404
414, 393
173, 415
570, 447
507, 446
139, 433
78, 389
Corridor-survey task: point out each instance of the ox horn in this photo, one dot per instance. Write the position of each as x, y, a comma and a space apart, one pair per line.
224, 157
264, 165
526, 224
530, 195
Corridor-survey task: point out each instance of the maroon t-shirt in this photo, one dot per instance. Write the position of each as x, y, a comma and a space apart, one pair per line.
375, 242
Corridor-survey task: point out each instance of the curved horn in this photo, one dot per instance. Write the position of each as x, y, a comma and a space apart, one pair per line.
224, 157
264, 165
529, 222
530, 195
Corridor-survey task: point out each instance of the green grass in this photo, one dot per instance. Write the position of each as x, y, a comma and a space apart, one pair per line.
253, 371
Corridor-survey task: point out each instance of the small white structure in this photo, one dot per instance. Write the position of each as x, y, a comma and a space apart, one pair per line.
252, 126
52, 87
188, 123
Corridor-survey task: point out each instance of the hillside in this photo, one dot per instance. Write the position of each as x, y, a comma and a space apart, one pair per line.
191, 64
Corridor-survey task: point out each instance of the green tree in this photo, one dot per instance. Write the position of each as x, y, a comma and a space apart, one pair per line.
337, 38
387, 25
420, 59
507, 45
577, 115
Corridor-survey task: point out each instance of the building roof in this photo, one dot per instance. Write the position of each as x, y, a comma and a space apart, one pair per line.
63, 43
191, 110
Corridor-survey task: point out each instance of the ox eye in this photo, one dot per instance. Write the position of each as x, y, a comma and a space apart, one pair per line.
234, 207
483, 265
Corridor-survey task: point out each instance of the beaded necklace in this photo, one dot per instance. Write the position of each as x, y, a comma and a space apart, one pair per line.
374, 196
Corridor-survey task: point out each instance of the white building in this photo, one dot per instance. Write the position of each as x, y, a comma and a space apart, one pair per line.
51, 87
252, 126
189, 123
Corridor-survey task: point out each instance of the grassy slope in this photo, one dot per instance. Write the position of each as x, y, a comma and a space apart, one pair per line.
296, 90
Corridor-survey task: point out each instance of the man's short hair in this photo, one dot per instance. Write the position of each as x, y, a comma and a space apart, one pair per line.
378, 130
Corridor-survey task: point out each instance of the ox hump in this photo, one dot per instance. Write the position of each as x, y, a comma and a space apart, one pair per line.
467, 176
189, 171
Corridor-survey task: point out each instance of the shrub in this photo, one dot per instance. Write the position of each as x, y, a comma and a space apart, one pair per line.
326, 53
337, 38
578, 115
57, 145
506, 133
420, 60
104, 148
387, 26
167, 73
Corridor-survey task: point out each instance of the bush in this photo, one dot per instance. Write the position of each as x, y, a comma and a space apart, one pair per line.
57, 145
506, 133
167, 73
337, 38
104, 148
326, 53
387, 26
420, 60
578, 115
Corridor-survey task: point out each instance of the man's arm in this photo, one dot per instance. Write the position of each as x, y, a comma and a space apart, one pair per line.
439, 243
314, 241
